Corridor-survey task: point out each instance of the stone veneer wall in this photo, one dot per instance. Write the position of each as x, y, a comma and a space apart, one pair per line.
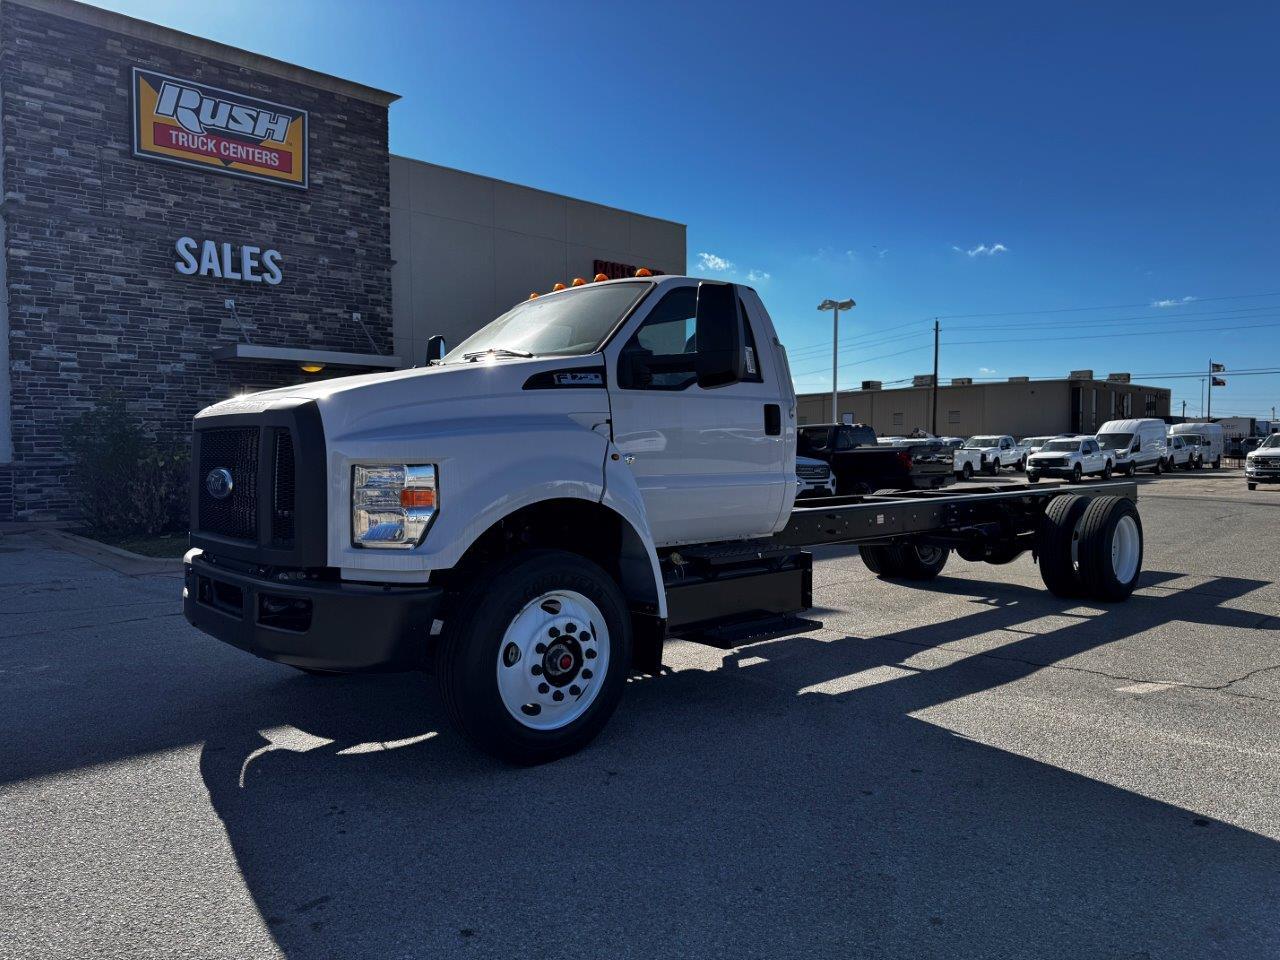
95, 304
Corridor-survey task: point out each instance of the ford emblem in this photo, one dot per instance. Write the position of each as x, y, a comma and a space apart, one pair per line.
219, 483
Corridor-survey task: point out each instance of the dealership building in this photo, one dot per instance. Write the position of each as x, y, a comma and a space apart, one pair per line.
183, 221
1019, 406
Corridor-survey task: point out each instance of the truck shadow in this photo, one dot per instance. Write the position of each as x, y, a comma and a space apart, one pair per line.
790, 803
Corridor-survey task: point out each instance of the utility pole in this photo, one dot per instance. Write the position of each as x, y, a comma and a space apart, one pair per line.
1209, 410
1184, 410
935, 376
1202, 396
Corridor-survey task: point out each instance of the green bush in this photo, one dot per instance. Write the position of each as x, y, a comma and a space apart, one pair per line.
127, 482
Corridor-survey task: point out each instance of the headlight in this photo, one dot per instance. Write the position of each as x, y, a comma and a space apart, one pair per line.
392, 506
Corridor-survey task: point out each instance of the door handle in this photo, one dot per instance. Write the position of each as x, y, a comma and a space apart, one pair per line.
772, 420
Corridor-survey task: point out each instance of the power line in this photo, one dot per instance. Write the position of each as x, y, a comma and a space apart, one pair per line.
1120, 306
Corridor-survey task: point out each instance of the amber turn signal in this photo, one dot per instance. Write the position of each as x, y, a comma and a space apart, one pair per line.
415, 497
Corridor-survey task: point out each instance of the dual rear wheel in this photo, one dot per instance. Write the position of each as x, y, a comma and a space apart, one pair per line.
1090, 547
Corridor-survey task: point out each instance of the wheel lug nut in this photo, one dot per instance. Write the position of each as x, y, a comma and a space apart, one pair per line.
543, 688
553, 633
569, 628
590, 654
575, 690
536, 670
587, 674
558, 696
539, 648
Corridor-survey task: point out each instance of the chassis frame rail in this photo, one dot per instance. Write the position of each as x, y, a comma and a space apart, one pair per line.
921, 513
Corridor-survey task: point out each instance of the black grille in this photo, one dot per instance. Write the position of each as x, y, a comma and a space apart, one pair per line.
234, 449
282, 496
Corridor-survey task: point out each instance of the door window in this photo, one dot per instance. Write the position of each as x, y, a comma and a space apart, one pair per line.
662, 354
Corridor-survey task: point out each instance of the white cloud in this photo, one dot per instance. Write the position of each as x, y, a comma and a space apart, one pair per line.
1171, 303
986, 370
982, 250
709, 261
757, 276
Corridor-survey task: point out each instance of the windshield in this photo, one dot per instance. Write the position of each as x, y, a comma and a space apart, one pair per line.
1062, 445
573, 322
1271, 443
1036, 441
1115, 441
975, 442
1189, 437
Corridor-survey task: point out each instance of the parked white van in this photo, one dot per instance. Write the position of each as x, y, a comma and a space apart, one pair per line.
1212, 442
1138, 444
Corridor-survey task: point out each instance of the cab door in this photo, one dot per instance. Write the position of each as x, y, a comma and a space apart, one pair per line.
710, 463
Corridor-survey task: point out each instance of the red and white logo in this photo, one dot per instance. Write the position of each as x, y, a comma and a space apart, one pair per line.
181, 121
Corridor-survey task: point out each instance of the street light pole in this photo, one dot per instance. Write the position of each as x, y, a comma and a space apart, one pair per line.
835, 306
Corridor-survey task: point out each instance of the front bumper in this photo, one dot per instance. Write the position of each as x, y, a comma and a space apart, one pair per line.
316, 625
817, 488
1261, 475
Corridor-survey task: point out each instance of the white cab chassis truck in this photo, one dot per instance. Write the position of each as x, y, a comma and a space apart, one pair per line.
531, 517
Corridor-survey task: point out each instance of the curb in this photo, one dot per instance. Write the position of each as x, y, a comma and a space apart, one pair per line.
115, 558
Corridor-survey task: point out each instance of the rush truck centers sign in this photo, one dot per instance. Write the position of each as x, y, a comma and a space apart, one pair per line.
180, 121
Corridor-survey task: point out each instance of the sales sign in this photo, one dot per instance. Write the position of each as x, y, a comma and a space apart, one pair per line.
180, 121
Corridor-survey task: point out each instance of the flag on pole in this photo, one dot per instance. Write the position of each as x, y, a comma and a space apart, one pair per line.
1218, 368
1219, 382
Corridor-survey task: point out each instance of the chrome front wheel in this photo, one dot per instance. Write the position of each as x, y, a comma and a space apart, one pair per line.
552, 660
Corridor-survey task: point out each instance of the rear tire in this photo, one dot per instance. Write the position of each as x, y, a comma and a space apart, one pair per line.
1110, 548
1251, 486
1106, 470
1032, 479
497, 618
967, 472
905, 562
1131, 470
1055, 545
1217, 464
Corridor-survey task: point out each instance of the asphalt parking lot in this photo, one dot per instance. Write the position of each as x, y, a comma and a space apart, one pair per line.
969, 769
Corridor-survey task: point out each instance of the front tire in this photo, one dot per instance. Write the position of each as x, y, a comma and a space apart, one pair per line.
535, 662
1106, 470
1158, 468
1217, 464
1251, 486
1076, 474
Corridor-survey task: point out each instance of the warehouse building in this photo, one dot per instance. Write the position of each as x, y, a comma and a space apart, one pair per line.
183, 221
1078, 403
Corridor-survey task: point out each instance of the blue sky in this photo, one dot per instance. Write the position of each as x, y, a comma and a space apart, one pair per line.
931, 159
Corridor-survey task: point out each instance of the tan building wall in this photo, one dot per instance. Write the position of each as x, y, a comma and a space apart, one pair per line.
1021, 409
466, 248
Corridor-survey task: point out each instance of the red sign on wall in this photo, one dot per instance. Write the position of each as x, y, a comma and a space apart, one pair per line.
195, 125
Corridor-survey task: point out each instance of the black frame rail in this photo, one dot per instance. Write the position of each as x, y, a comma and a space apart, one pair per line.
913, 513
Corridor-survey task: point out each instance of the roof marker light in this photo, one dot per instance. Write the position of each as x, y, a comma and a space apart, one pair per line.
601, 278
534, 295
644, 272
558, 286
578, 282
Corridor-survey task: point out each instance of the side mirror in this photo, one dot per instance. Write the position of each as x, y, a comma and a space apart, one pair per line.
436, 348
721, 359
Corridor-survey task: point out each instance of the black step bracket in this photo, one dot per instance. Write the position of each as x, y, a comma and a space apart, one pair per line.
740, 633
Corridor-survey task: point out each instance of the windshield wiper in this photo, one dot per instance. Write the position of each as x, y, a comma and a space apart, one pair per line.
496, 352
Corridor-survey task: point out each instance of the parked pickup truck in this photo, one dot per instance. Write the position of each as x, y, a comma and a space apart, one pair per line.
994, 453
863, 465
531, 516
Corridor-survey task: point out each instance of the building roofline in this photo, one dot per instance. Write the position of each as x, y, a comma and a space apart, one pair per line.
988, 383
550, 193
146, 30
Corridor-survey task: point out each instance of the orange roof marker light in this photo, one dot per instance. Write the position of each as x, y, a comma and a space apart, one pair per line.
601, 278
644, 272
534, 295
578, 282
558, 286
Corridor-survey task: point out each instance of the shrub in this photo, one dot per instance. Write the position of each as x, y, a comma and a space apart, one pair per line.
126, 481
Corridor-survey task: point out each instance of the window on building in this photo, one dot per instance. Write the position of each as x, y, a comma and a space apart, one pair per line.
1126, 405
897, 419
953, 416
1151, 404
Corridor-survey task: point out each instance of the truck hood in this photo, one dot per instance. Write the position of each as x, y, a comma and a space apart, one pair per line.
452, 383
